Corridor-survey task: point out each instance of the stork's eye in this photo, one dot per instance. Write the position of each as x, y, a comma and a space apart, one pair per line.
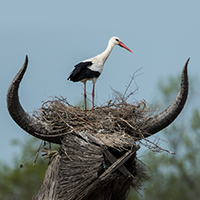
117, 40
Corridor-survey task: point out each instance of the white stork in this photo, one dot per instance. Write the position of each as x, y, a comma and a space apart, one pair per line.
91, 68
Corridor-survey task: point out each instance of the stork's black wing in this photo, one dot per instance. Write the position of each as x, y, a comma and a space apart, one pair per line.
81, 71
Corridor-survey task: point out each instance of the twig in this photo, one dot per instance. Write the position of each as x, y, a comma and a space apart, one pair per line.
132, 78
128, 124
64, 120
38, 150
85, 121
173, 153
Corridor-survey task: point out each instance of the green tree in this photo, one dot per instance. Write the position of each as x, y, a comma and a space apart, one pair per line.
175, 176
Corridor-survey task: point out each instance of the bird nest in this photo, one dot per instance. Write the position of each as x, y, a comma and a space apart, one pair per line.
115, 125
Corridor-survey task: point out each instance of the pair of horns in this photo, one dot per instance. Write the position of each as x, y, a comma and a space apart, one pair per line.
42, 130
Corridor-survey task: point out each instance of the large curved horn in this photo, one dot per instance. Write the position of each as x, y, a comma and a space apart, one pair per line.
165, 118
27, 122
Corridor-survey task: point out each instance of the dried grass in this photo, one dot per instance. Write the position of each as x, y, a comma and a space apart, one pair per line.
115, 125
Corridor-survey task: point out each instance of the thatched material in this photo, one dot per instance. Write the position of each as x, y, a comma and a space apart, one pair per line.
85, 170
97, 158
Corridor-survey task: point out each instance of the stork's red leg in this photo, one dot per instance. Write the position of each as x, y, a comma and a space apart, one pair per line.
93, 97
85, 96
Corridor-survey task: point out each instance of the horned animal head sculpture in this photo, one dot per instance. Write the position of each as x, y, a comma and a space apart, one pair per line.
87, 166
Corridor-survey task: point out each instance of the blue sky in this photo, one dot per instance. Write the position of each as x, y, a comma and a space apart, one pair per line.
56, 35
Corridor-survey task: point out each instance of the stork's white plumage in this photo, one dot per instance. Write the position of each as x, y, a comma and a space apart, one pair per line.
92, 68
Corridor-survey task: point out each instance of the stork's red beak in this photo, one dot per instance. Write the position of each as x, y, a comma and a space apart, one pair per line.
121, 44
